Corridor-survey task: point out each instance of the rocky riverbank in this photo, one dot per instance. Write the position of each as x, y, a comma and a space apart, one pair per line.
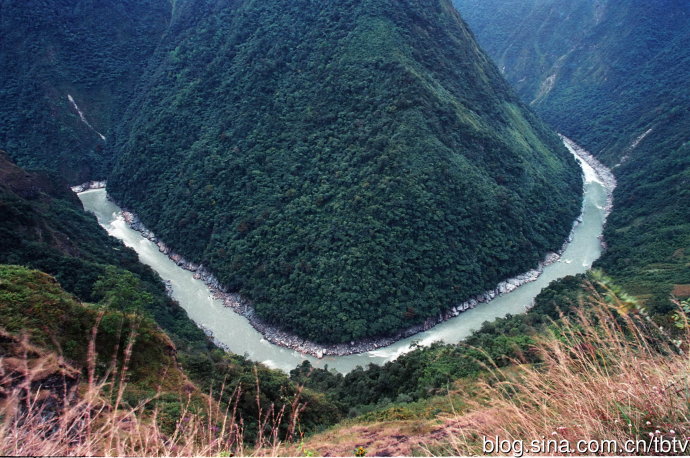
89, 185
604, 174
284, 339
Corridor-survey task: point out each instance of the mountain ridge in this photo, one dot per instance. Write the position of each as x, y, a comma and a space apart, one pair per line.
303, 163
619, 89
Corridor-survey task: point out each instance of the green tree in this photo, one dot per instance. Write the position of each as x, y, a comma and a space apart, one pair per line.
121, 290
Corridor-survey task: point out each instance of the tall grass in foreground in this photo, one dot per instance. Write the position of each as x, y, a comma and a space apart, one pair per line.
603, 376
46, 411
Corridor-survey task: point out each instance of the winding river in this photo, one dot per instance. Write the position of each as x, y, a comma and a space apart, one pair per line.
236, 334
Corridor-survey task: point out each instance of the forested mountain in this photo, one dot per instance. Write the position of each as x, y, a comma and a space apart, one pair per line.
352, 167
612, 75
43, 226
90, 50
598, 70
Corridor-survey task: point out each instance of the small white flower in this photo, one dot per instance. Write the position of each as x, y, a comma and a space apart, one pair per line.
672, 432
649, 423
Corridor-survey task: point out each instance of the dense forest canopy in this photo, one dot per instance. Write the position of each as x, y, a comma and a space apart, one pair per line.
612, 75
93, 51
352, 168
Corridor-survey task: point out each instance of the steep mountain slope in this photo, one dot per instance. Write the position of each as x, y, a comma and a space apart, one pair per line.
352, 169
91, 51
612, 75
600, 71
43, 226
34, 304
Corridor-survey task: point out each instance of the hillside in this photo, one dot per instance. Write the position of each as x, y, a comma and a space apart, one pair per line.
598, 383
352, 169
91, 51
43, 226
82, 379
53, 321
612, 75
599, 71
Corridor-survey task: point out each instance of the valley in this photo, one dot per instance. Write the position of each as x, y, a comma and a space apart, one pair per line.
619, 89
239, 335
343, 227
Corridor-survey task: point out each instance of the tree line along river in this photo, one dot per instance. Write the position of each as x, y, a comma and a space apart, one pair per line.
236, 334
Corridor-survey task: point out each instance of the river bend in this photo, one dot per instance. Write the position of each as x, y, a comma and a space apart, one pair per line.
236, 333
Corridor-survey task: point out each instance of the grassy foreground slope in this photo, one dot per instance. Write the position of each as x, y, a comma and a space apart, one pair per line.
34, 305
612, 75
43, 226
598, 382
353, 169
81, 379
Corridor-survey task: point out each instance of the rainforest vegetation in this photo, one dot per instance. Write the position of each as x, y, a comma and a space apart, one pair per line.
612, 76
352, 169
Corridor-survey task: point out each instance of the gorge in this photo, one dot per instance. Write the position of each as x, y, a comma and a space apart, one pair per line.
236, 333
369, 227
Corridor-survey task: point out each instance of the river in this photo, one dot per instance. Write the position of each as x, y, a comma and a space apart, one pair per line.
237, 334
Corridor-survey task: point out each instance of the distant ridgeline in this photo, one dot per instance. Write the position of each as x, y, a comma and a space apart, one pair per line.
613, 76
91, 51
352, 167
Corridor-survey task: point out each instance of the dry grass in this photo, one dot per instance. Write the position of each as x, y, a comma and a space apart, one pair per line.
46, 409
681, 291
602, 378
392, 438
